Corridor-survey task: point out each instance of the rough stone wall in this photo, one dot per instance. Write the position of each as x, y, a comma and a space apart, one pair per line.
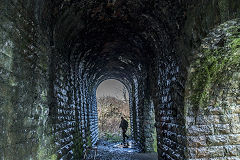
135, 112
212, 99
169, 123
86, 93
167, 92
139, 97
93, 119
73, 111
140, 110
24, 86
199, 18
90, 114
149, 121
35, 86
62, 108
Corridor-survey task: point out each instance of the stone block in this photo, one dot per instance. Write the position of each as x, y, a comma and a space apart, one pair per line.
200, 152
236, 109
217, 140
196, 141
218, 158
190, 120
231, 150
225, 119
232, 158
235, 128
234, 139
216, 151
222, 129
204, 120
215, 110
235, 118
238, 101
196, 130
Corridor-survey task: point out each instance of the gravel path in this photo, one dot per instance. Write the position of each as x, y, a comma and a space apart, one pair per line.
115, 151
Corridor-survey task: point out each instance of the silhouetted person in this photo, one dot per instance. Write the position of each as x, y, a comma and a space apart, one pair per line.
124, 126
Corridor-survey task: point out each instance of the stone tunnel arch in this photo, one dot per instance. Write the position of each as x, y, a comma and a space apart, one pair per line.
48, 95
113, 88
145, 138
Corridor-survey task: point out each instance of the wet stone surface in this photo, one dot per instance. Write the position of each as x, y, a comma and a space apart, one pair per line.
116, 151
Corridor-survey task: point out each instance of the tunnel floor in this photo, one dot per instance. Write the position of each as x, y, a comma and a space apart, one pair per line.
116, 151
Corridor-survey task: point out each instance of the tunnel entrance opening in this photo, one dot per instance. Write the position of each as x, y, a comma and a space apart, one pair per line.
113, 103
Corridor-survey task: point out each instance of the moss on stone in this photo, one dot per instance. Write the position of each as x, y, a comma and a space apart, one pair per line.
54, 157
235, 45
214, 69
224, 9
155, 140
89, 140
47, 150
78, 145
234, 31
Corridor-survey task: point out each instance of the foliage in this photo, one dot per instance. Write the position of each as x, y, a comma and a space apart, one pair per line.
54, 157
235, 45
155, 140
112, 137
214, 69
89, 140
110, 109
78, 145
223, 8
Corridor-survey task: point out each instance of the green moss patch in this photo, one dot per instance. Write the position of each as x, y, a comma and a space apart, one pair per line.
155, 141
78, 145
214, 68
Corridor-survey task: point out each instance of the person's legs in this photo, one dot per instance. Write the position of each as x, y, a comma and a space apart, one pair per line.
124, 135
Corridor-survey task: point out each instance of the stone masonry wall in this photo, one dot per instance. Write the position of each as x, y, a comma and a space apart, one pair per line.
212, 104
215, 132
149, 121
23, 86
142, 120
167, 92
85, 89
169, 124
62, 109
73, 109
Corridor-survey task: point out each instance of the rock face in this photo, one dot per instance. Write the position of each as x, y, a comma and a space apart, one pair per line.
212, 103
54, 54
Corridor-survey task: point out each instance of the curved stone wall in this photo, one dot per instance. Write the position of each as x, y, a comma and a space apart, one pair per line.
212, 99
55, 53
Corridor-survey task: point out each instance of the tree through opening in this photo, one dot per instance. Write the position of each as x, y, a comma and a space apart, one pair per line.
113, 103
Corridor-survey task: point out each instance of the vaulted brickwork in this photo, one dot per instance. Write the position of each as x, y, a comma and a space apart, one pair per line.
54, 54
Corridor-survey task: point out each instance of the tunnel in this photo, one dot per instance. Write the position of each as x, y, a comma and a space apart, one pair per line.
178, 58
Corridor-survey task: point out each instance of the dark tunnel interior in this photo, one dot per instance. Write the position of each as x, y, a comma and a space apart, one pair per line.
54, 55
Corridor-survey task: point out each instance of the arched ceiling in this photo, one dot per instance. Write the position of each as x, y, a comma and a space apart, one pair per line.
117, 36
108, 38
